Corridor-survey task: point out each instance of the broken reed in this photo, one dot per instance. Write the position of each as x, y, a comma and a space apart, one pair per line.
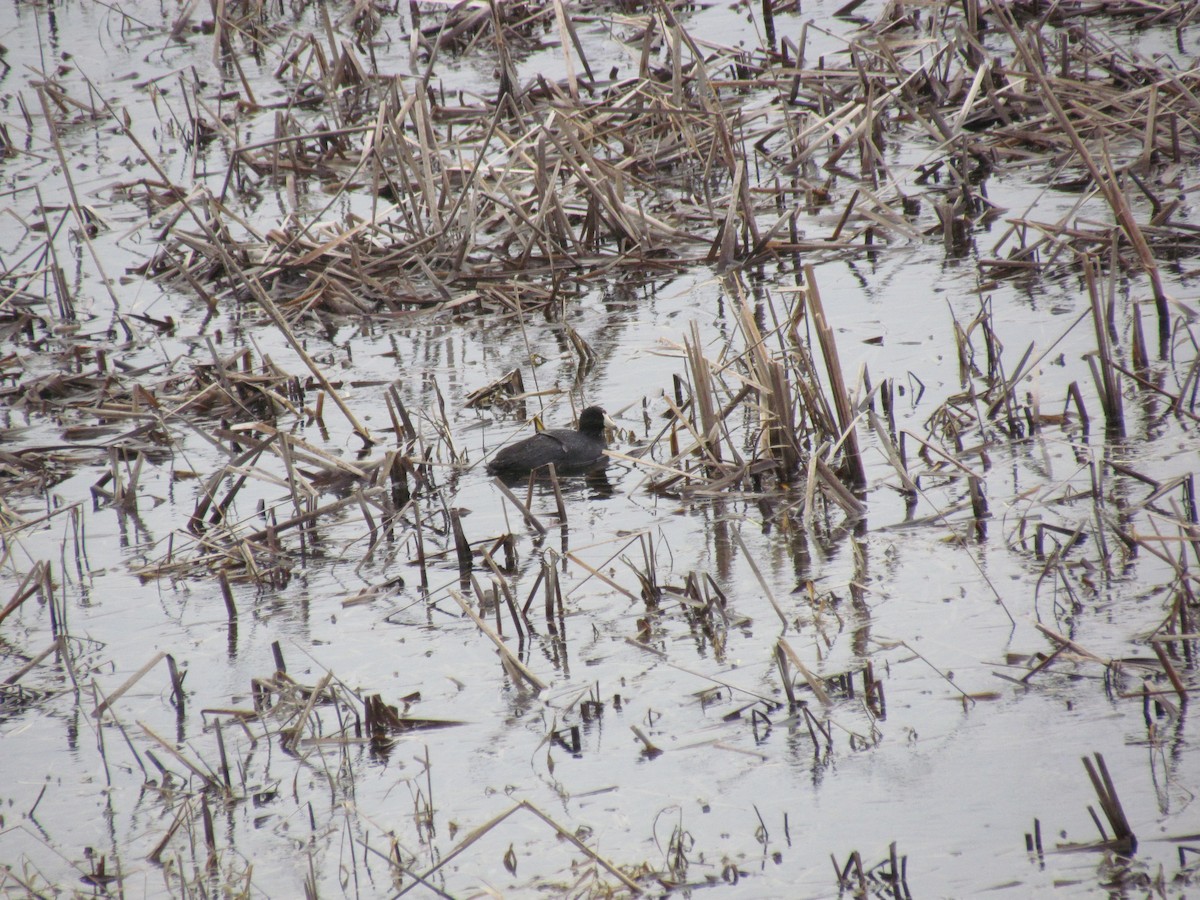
758, 415
442, 204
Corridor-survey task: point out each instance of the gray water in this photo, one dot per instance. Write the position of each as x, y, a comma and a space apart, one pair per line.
955, 772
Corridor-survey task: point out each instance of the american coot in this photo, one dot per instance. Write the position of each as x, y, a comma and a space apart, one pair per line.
570, 451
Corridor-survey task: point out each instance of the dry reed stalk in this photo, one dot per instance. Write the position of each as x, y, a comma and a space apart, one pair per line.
296, 731
552, 592
813, 682
511, 663
776, 402
1110, 803
526, 513
133, 679
850, 504
595, 572
762, 582
34, 662
30, 584
206, 775
260, 295
484, 829
1066, 642
1169, 668
1108, 385
893, 455
181, 817
833, 368
462, 547
1106, 181
273, 313
84, 228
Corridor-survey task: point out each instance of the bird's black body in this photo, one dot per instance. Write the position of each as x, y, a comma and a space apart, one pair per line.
571, 451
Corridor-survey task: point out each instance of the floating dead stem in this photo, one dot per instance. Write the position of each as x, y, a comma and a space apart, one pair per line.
571, 838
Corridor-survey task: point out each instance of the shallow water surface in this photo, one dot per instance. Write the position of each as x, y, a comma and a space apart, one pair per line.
672, 733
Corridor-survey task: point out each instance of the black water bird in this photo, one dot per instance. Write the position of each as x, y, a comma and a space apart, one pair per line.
571, 451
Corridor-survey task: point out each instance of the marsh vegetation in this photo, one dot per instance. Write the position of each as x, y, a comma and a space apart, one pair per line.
888, 587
